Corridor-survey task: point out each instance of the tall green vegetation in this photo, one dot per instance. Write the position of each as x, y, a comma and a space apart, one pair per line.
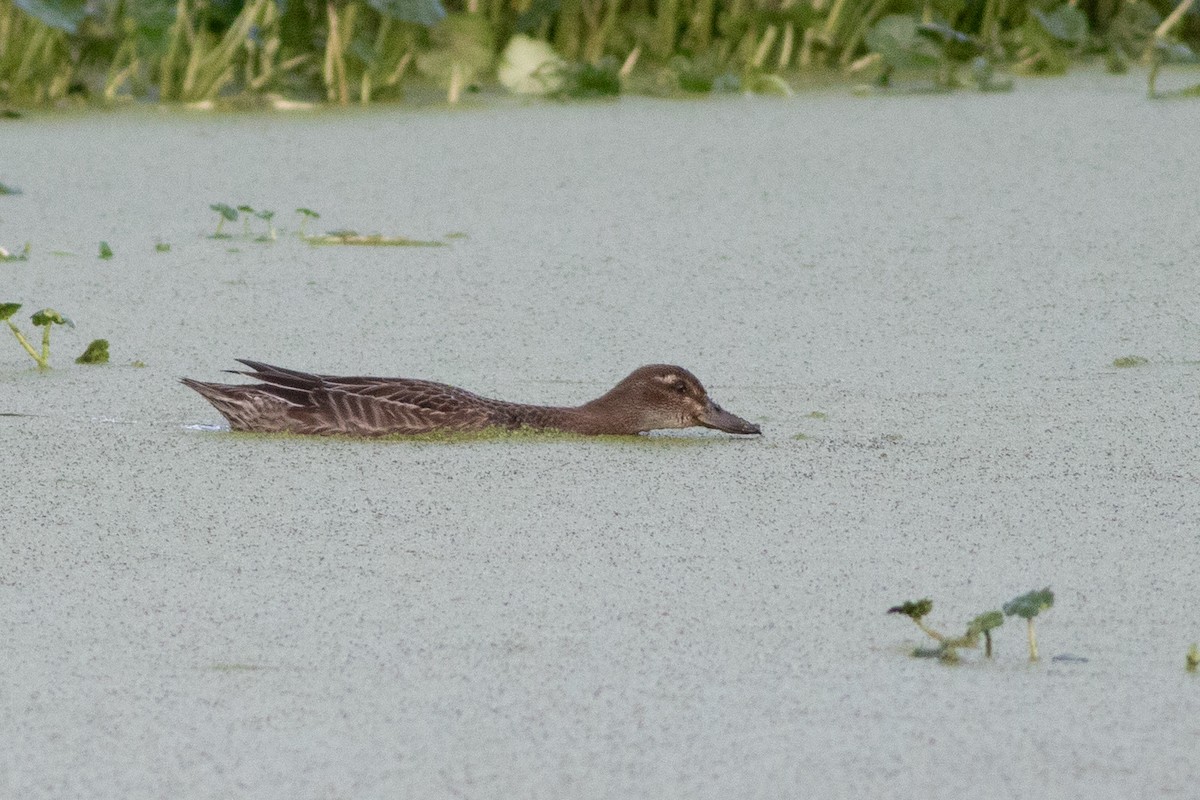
343, 51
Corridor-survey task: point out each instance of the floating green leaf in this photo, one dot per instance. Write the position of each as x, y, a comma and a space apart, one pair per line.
308, 212
227, 212
1193, 658
8, 309
48, 316
162, 247
986, 622
96, 353
105, 251
1029, 605
1125, 362
915, 609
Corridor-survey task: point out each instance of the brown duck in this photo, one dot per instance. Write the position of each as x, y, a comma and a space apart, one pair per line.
651, 397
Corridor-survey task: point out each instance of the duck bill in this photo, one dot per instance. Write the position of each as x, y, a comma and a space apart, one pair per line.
713, 416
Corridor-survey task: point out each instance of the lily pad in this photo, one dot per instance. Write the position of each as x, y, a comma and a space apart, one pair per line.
8, 309
1029, 605
48, 316
227, 211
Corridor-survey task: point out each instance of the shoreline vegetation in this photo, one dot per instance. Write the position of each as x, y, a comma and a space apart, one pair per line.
288, 54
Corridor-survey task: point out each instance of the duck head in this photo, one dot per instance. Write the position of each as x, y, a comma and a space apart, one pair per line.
664, 396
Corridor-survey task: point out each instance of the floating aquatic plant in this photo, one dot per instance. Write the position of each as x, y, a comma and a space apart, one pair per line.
226, 213
267, 217
246, 212
1028, 606
373, 240
105, 251
6, 189
984, 624
162, 247
305, 215
1192, 661
1125, 362
917, 610
44, 319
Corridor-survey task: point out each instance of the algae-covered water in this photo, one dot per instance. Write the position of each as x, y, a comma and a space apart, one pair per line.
920, 299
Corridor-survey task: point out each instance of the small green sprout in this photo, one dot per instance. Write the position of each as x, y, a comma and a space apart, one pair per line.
1125, 362
45, 319
916, 610
305, 215
984, 624
247, 212
1028, 606
226, 213
267, 216
1193, 658
162, 247
105, 251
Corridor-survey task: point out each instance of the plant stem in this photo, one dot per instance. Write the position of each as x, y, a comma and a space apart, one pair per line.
930, 631
28, 347
1033, 651
1171, 20
45, 359
987, 643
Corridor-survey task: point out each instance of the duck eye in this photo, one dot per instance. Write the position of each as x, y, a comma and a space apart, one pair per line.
681, 387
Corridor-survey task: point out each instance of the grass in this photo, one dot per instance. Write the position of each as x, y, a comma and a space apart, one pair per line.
198, 52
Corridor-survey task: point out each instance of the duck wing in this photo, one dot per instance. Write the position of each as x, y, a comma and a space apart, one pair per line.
366, 406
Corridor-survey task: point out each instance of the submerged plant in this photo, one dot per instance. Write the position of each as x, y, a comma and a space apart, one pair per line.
96, 353
44, 319
226, 213
1028, 606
